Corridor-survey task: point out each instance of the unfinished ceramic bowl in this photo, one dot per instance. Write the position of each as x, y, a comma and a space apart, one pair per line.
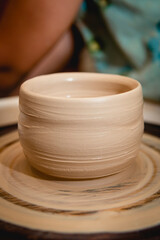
80, 125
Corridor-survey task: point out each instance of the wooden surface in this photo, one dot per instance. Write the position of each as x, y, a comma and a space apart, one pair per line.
11, 231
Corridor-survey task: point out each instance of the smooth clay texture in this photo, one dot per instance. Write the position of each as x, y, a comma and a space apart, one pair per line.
81, 125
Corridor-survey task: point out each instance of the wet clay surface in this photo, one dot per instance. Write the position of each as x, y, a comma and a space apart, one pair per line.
81, 125
126, 201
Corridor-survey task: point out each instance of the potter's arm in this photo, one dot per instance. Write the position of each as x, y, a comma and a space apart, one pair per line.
29, 29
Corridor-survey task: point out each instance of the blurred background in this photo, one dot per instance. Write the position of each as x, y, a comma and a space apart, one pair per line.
108, 36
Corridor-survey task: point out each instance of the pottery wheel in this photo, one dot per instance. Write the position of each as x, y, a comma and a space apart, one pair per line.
126, 201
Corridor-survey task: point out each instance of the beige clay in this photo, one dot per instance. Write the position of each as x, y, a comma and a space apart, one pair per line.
122, 202
85, 129
81, 125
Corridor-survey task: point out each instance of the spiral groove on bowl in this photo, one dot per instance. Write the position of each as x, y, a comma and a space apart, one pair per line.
80, 137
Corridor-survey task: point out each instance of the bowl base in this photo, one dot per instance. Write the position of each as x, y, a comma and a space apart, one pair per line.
126, 202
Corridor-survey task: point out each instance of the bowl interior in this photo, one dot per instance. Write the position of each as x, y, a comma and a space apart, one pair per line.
82, 85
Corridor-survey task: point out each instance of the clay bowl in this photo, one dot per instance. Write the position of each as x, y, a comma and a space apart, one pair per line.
80, 125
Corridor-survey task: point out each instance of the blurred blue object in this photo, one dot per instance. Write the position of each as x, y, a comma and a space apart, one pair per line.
123, 37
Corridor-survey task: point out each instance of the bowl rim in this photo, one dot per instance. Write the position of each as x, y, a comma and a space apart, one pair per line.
25, 90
